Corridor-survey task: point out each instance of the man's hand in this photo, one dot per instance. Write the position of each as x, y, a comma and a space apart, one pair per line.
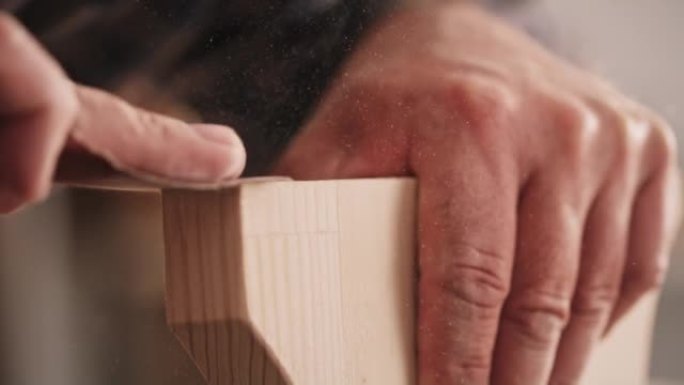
43, 114
548, 201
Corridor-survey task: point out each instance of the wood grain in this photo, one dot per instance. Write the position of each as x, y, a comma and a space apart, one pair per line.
312, 283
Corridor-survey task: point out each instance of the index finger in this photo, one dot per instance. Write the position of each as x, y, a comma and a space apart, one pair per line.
40, 109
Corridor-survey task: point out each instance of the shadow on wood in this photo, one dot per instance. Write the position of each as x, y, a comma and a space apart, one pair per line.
312, 283
321, 274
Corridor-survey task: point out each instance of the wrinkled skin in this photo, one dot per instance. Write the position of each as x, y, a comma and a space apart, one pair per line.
44, 115
548, 202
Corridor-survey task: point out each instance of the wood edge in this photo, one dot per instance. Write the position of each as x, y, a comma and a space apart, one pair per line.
238, 318
116, 181
245, 313
129, 183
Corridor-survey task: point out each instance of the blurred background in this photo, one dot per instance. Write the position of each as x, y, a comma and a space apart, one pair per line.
81, 276
639, 45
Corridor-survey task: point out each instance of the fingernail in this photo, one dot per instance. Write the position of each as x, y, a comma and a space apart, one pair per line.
216, 133
236, 165
233, 158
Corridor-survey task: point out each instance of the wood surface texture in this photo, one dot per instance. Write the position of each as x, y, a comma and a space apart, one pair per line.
312, 283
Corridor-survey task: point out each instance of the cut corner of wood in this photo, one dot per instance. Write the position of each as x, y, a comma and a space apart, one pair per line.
311, 283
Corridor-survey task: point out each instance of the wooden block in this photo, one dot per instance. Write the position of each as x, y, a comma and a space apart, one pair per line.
312, 283
297, 283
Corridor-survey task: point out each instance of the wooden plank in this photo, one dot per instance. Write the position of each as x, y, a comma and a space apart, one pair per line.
312, 283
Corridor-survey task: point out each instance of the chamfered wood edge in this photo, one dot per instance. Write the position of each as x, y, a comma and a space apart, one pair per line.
283, 373
252, 326
238, 324
148, 184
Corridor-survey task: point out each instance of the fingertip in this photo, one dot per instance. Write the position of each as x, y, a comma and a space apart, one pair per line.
231, 155
141, 142
217, 133
233, 162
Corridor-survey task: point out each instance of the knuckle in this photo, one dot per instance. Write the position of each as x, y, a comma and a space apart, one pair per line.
577, 115
623, 140
663, 141
538, 315
594, 301
475, 285
481, 100
61, 102
647, 279
576, 119
623, 134
476, 278
11, 32
578, 124
149, 123
146, 127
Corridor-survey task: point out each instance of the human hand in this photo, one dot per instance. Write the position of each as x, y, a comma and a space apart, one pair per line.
548, 202
43, 115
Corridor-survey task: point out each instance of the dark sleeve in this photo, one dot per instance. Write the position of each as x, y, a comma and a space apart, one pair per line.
257, 65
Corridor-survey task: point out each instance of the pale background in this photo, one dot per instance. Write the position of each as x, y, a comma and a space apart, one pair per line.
639, 44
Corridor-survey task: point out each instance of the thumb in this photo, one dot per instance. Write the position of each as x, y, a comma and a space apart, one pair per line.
150, 145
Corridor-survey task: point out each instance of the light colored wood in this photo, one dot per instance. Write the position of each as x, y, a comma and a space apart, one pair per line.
298, 283
113, 180
623, 357
312, 283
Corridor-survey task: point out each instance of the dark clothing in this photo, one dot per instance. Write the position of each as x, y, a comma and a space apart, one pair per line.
259, 66
256, 65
